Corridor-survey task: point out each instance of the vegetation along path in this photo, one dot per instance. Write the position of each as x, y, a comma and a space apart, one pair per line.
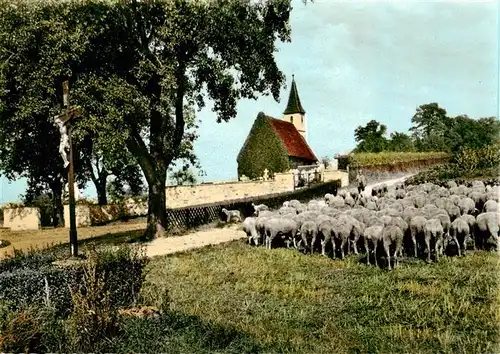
198, 239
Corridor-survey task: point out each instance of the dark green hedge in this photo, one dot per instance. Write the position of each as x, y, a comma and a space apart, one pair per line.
22, 279
262, 149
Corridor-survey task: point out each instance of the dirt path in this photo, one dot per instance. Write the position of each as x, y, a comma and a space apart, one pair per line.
203, 238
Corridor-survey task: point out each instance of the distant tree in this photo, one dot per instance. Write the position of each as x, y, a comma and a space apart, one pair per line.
371, 137
430, 127
325, 160
182, 177
401, 142
465, 132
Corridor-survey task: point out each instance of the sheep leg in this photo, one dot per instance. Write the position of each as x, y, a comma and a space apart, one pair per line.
367, 251
324, 242
388, 254
348, 246
375, 245
399, 247
313, 242
356, 245
342, 246
458, 244
436, 246
414, 240
428, 247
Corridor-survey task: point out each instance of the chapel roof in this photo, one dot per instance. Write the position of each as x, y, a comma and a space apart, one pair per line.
294, 142
294, 105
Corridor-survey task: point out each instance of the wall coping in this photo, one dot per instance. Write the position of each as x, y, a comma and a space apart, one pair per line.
225, 183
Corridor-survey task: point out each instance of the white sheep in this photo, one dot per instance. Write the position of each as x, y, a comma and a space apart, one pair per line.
232, 215
249, 228
259, 208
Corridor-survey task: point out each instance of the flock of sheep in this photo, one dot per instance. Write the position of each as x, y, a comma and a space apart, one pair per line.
414, 220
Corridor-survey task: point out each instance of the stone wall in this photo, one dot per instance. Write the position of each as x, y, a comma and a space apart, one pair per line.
91, 215
330, 175
181, 196
24, 218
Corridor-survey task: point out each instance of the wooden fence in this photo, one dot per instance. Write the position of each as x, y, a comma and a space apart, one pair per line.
189, 217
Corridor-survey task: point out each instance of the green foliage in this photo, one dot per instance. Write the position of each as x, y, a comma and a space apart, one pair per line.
466, 164
21, 331
262, 149
30, 278
38, 45
183, 176
430, 125
471, 159
371, 138
93, 317
436, 174
400, 142
383, 158
42, 286
4, 243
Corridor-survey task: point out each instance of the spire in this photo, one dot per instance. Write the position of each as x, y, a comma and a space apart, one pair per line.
294, 105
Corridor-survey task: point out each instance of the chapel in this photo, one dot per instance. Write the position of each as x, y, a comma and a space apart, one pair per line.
277, 145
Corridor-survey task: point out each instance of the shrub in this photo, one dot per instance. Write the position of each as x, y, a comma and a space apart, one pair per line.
30, 277
94, 316
472, 159
21, 332
44, 286
4, 243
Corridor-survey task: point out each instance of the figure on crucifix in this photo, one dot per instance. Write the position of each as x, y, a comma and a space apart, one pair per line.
64, 142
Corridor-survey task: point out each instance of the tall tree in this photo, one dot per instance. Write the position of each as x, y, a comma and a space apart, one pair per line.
36, 52
400, 142
162, 58
430, 127
371, 137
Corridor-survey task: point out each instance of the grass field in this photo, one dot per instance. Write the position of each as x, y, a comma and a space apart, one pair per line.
237, 298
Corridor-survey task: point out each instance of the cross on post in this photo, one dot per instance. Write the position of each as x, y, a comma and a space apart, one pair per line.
63, 122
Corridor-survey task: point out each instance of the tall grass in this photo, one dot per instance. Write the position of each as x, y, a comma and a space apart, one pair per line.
382, 158
288, 302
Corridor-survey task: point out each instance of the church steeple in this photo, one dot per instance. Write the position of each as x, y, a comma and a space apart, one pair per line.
294, 105
294, 112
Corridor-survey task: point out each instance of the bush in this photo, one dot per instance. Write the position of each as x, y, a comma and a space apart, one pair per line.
47, 286
94, 316
30, 278
473, 159
21, 332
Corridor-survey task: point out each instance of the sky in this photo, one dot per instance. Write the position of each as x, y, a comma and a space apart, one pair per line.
355, 61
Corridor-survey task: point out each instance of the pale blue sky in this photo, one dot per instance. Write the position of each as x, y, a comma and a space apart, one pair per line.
360, 60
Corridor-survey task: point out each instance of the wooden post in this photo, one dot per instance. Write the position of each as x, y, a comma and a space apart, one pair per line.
73, 238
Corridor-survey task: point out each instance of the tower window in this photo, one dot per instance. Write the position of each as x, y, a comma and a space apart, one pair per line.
291, 119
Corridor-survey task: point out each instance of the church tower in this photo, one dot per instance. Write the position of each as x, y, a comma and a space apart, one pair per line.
294, 112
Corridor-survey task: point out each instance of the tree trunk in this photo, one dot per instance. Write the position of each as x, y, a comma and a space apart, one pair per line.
100, 186
157, 209
58, 211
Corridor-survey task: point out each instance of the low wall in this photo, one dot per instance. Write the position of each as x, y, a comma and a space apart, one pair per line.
334, 175
91, 215
24, 218
181, 196
378, 173
82, 213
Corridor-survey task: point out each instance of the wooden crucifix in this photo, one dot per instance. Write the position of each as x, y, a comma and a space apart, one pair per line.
63, 122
